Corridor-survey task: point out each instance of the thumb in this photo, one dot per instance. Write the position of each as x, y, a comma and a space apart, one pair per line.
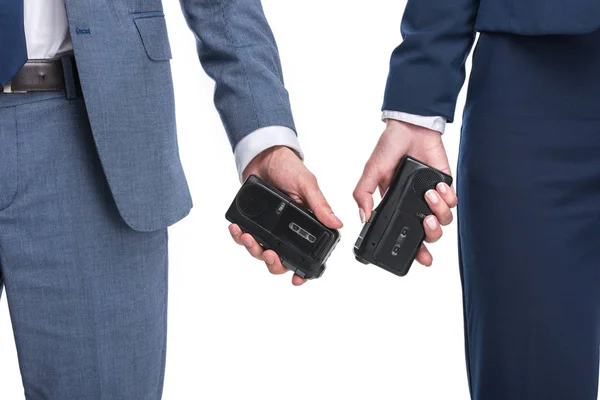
318, 204
363, 193
439, 161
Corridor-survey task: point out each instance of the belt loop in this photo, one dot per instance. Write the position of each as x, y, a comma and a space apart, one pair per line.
70, 74
7, 88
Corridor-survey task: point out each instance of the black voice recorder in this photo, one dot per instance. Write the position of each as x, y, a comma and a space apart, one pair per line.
394, 232
280, 224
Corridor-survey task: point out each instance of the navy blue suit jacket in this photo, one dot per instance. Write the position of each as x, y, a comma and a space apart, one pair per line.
427, 69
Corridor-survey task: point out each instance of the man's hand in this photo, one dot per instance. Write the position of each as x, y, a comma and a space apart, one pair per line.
400, 139
282, 168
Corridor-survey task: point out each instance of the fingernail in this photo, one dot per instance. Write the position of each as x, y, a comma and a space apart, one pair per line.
361, 212
247, 242
431, 223
432, 196
269, 260
442, 187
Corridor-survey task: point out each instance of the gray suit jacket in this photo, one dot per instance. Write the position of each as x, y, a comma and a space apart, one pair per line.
122, 52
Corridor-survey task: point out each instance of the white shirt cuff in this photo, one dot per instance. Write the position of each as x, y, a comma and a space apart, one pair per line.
433, 123
261, 139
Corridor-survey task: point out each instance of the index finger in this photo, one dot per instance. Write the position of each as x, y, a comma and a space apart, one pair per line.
297, 281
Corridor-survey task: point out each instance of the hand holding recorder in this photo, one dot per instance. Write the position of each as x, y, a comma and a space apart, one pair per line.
398, 140
283, 169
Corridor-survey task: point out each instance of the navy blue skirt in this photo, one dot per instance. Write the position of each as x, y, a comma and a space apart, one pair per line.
529, 217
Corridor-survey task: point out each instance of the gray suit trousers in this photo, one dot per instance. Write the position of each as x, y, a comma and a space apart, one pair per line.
87, 294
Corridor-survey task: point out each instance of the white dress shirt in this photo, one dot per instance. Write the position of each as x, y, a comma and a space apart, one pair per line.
47, 34
46, 29
433, 123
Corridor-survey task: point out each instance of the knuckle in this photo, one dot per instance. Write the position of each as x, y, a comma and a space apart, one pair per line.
445, 217
449, 198
447, 220
308, 181
371, 168
273, 268
433, 236
359, 196
453, 202
369, 165
279, 270
440, 213
322, 203
310, 178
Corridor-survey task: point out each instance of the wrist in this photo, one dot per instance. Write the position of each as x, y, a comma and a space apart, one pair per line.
412, 135
259, 165
394, 124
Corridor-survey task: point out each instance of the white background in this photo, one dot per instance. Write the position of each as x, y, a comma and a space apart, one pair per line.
237, 332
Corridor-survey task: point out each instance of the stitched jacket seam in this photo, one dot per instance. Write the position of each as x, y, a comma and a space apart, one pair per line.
237, 53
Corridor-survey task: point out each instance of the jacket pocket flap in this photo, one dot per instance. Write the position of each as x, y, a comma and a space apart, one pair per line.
153, 31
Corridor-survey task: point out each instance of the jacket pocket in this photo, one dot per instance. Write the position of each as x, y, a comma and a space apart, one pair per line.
152, 28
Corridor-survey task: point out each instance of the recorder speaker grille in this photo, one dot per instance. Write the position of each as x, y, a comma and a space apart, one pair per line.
252, 200
424, 180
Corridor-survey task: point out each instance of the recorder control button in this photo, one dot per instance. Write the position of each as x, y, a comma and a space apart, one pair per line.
373, 214
292, 268
358, 242
288, 266
365, 229
362, 234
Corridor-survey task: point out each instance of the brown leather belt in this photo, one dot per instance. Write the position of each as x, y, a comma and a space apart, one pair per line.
45, 76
